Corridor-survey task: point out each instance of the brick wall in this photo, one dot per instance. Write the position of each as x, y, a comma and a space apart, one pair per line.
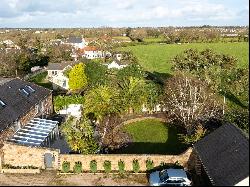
20, 155
48, 109
5, 134
127, 158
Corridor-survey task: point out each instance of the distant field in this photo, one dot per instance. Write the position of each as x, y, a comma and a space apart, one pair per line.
156, 57
121, 38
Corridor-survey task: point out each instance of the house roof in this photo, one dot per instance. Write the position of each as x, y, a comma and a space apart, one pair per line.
16, 102
62, 65
225, 155
74, 39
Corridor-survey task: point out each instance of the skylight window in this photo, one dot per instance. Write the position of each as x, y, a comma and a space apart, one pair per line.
2, 104
30, 89
24, 92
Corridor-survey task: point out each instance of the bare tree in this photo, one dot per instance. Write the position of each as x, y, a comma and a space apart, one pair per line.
190, 101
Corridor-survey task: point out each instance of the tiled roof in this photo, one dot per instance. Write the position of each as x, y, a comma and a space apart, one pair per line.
73, 39
16, 103
62, 65
225, 155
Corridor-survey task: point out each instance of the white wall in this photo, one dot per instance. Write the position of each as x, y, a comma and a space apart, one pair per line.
244, 182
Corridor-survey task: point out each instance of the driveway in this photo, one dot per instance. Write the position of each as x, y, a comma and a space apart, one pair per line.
85, 179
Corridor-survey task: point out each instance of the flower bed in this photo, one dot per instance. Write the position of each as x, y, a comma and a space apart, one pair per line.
7, 168
21, 171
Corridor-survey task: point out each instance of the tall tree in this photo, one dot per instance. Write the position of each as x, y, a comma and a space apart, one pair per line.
77, 78
190, 101
80, 135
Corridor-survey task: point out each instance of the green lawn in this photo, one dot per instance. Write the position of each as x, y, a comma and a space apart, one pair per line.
40, 79
156, 57
152, 137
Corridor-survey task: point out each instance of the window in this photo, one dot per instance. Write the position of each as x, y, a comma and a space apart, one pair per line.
29, 88
64, 84
2, 104
24, 92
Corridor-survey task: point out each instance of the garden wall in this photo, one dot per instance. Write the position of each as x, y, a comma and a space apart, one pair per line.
20, 155
127, 158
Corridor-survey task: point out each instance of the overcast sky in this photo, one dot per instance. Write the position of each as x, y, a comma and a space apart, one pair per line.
122, 13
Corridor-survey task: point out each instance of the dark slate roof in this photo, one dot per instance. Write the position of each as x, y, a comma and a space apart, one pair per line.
225, 155
62, 65
16, 104
73, 39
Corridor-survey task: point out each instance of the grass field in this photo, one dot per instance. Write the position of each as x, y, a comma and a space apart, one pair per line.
152, 137
156, 57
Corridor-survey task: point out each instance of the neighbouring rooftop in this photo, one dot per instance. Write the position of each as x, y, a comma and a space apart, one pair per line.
224, 154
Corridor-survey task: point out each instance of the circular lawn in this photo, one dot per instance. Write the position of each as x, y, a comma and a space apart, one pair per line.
152, 136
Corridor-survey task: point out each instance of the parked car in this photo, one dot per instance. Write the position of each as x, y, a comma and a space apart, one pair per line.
169, 177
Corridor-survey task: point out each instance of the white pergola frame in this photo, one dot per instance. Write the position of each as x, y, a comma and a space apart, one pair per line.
36, 132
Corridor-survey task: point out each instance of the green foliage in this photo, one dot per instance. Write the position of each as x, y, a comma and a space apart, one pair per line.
93, 166
132, 70
66, 72
121, 166
107, 166
62, 101
77, 167
239, 117
65, 166
200, 132
100, 101
77, 77
136, 166
96, 73
80, 135
149, 164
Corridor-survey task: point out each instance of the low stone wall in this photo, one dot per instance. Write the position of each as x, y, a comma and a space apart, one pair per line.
20, 155
127, 158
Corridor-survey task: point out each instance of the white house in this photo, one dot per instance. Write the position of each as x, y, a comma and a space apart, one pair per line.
92, 53
7, 42
76, 42
116, 64
56, 74
118, 56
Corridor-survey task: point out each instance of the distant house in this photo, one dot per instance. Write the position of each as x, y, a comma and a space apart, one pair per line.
76, 42
118, 56
90, 52
20, 102
56, 74
223, 157
9, 44
116, 64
